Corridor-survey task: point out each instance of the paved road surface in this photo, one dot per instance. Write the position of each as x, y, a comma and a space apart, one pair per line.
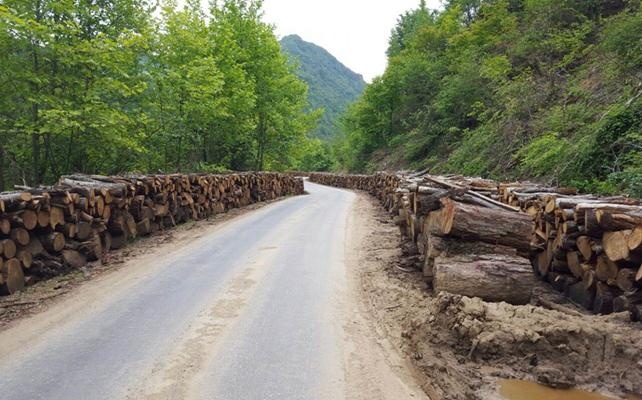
252, 309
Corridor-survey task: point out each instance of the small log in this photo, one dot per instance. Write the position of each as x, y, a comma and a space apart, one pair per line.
561, 282
27, 219
5, 226
606, 270
25, 257
626, 279
105, 238
83, 230
35, 246
56, 217
118, 241
622, 302
20, 236
574, 264
8, 248
43, 218
54, 241
143, 227
74, 258
618, 217
12, 276
580, 295
604, 296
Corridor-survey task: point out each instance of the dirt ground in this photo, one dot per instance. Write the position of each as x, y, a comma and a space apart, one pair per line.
461, 347
39, 297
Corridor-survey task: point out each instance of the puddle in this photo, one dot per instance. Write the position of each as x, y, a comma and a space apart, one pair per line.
526, 390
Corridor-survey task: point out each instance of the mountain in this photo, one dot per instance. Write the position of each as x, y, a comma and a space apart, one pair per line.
332, 85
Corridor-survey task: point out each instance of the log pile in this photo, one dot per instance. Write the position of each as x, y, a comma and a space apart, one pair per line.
470, 233
588, 247
461, 236
48, 231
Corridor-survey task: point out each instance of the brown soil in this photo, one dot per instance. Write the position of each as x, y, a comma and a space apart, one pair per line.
462, 346
39, 297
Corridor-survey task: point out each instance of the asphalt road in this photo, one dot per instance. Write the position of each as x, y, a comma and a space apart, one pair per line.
246, 311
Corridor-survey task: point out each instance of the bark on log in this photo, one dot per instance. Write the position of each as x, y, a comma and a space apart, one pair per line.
490, 226
489, 277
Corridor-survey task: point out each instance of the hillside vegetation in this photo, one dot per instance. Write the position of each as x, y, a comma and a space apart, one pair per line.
332, 85
120, 85
548, 89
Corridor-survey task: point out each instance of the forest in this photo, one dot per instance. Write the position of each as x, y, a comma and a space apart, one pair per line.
549, 90
542, 89
117, 86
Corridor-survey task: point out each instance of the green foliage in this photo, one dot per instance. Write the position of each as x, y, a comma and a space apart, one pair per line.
332, 86
105, 87
543, 155
541, 89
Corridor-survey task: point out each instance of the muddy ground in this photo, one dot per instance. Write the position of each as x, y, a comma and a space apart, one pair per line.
462, 346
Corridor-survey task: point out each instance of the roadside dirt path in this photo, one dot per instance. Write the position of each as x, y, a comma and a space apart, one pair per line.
264, 305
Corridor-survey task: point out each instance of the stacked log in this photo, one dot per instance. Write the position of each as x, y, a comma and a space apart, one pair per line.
48, 231
588, 247
463, 238
467, 232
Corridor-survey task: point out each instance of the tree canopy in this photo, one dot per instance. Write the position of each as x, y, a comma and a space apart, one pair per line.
104, 86
547, 89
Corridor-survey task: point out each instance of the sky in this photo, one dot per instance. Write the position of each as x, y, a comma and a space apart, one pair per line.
356, 32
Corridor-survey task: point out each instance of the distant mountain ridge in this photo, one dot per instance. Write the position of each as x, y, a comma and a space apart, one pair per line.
333, 86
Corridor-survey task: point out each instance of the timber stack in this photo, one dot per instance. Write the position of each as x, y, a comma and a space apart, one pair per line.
460, 235
589, 247
481, 238
48, 231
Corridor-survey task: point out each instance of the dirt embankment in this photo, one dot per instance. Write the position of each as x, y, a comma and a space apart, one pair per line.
463, 346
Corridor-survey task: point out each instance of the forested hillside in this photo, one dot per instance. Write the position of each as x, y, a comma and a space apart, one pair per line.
332, 86
548, 89
108, 87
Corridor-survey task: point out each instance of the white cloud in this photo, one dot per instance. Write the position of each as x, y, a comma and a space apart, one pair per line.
354, 31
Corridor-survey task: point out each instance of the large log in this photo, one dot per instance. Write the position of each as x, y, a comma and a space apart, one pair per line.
436, 246
491, 226
493, 277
